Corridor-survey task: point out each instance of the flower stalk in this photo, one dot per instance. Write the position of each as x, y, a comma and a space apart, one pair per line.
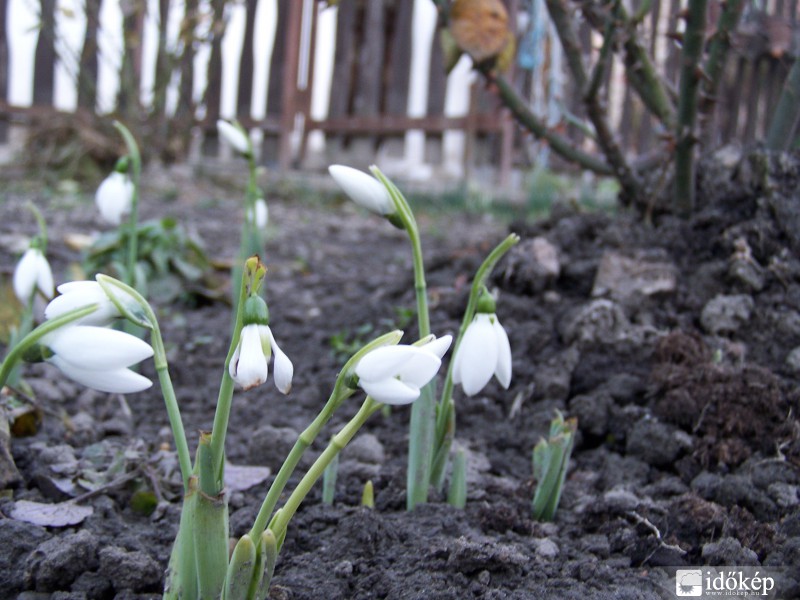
445, 409
135, 170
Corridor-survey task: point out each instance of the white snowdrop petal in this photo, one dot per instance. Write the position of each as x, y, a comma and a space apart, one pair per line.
421, 367
391, 391
77, 294
284, 369
251, 368
25, 275
478, 352
234, 136
383, 362
363, 189
439, 346
115, 381
114, 197
262, 214
503, 368
97, 347
44, 277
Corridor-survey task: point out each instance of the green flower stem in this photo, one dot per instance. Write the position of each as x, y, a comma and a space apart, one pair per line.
339, 441
341, 391
133, 218
18, 351
445, 410
41, 224
410, 225
225, 397
421, 426
148, 319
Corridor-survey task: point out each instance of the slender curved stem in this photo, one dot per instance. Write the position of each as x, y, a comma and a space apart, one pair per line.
339, 441
133, 218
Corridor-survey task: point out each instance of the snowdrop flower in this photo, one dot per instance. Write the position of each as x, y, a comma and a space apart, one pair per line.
234, 136
31, 274
363, 189
249, 366
114, 197
77, 294
484, 351
98, 357
396, 374
261, 218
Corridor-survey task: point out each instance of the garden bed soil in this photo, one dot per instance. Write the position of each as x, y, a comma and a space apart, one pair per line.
675, 343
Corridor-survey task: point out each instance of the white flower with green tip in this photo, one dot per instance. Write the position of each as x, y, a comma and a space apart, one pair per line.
234, 136
249, 366
396, 374
363, 189
77, 294
98, 357
33, 273
114, 197
484, 351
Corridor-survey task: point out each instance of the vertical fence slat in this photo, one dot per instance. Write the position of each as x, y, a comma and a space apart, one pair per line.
289, 78
399, 61
88, 65
244, 98
367, 99
45, 56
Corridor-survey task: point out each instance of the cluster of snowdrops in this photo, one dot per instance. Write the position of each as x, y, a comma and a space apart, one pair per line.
93, 332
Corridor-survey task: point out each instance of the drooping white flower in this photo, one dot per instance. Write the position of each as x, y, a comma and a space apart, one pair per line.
31, 274
396, 374
249, 364
76, 294
363, 189
114, 197
261, 217
98, 357
484, 351
234, 136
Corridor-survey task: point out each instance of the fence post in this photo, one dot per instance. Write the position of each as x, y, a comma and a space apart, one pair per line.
289, 92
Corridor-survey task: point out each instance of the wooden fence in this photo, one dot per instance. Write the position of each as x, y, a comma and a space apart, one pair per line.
387, 95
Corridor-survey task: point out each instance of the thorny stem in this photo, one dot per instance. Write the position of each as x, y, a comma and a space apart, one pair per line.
597, 114
519, 108
718, 48
693, 40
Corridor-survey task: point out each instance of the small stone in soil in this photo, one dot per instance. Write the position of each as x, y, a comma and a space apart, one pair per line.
58, 561
726, 314
136, 571
728, 551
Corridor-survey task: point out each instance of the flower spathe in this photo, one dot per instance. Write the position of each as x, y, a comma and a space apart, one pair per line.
234, 136
77, 294
98, 357
114, 197
33, 273
396, 374
249, 366
484, 351
363, 189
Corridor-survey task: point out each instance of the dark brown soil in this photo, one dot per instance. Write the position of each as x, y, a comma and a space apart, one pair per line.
675, 344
